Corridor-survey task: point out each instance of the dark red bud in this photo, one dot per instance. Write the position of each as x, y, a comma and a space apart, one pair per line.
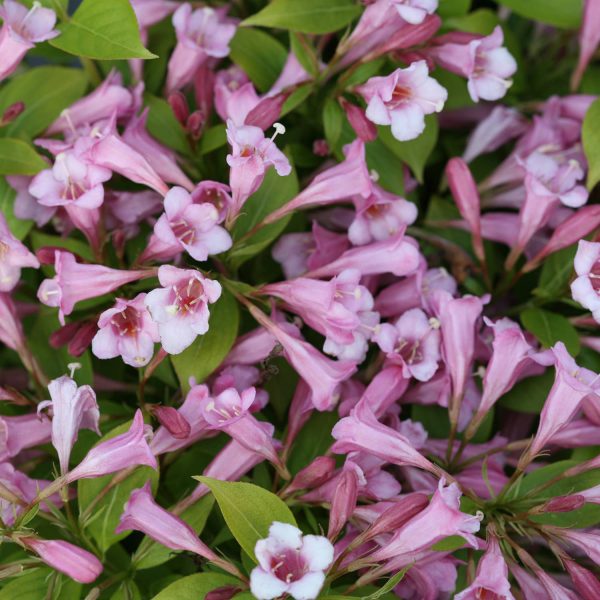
364, 128
63, 335
11, 113
585, 581
195, 124
343, 503
45, 254
172, 420
399, 514
204, 86
266, 112
321, 148
318, 472
82, 338
564, 503
179, 106
222, 593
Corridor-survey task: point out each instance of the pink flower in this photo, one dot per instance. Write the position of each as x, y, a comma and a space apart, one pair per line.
589, 38
130, 449
161, 159
193, 227
584, 580
26, 206
72, 408
586, 287
291, 563
75, 282
21, 30
414, 11
588, 541
442, 518
201, 33
22, 431
149, 12
181, 307
216, 193
485, 63
143, 514
126, 330
413, 342
402, 99
491, 577
251, 155
13, 257
76, 563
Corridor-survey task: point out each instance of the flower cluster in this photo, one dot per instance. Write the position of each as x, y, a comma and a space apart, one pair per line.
348, 291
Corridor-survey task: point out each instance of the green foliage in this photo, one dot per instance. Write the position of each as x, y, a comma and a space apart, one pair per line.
529, 394
19, 158
194, 587
41, 584
248, 510
553, 12
549, 328
556, 273
590, 137
18, 227
106, 30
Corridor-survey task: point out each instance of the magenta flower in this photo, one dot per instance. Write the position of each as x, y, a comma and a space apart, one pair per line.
21, 30
75, 282
251, 155
491, 578
402, 99
442, 518
290, 563
181, 307
586, 287
485, 63
143, 514
412, 342
13, 257
72, 408
130, 449
193, 227
126, 330
26, 206
76, 563
216, 193
22, 431
201, 33
414, 11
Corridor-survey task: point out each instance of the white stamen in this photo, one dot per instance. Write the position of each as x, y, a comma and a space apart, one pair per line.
374, 175
434, 323
73, 367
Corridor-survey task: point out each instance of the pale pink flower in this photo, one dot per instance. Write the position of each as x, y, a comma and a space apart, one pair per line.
414, 11
22, 431
589, 38
291, 563
180, 307
13, 257
126, 330
403, 98
201, 33
216, 193
21, 30
73, 408
193, 227
292, 74
75, 562
586, 287
26, 206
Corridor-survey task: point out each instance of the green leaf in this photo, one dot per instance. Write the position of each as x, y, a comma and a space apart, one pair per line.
590, 137
150, 553
18, 227
449, 544
107, 512
106, 30
529, 394
386, 164
480, 21
549, 328
313, 440
46, 91
553, 12
213, 138
453, 8
194, 587
274, 192
208, 350
333, 120
33, 585
128, 590
163, 125
19, 158
556, 273
39, 240
308, 16
415, 152
305, 53
389, 586
260, 55
248, 510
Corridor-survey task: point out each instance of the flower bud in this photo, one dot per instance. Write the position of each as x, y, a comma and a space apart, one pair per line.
585, 581
364, 128
179, 106
396, 516
195, 124
266, 112
172, 420
82, 338
564, 503
343, 503
318, 472
63, 335
11, 113
223, 593
321, 148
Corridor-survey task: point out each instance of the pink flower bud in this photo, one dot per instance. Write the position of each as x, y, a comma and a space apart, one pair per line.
321, 148
179, 105
397, 515
223, 593
316, 473
343, 502
266, 112
585, 582
172, 420
11, 113
63, 335
564, 503
195, 124
82, 338
364, 128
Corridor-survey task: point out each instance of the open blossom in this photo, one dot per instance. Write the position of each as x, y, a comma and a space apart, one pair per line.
216, 193
126, 330
586, 287
72, 408
26, 206
413, 342
201, 33
13, 257
21, 30
22, 431
190, 226
251, 155
180, 307
291, 563
414, 11
485, 63
403, 98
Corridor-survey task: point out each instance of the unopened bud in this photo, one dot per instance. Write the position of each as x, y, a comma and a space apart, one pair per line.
11, 113
63, 335
172, 420
364, 128
204, 88
585, 581
343, 503
82, 338
321, 148
317, 473
266, 112
179, 106
399, 514
195, 124
222, 593
564, 503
